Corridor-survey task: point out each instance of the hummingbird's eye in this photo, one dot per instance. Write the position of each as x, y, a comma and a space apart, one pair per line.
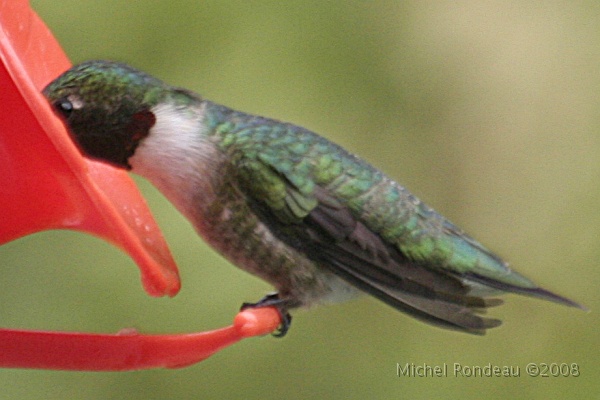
64, 107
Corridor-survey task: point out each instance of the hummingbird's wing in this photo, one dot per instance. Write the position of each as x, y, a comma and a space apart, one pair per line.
353, 220
311, 219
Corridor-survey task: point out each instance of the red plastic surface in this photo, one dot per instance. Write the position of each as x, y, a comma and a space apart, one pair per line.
45, 182
128, 350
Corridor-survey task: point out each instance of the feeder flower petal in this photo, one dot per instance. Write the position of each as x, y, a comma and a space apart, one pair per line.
45, 182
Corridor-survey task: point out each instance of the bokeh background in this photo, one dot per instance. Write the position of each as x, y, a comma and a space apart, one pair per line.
488, 111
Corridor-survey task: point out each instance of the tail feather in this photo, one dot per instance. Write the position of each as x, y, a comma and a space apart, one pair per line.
441, 309
527, 291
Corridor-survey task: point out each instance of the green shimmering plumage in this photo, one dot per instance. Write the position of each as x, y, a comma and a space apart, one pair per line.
278, 155
284, 165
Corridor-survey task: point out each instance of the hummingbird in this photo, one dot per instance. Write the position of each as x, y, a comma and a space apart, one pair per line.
318, 223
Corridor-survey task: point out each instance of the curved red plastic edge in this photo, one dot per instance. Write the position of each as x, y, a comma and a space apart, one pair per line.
45, 182
127, 350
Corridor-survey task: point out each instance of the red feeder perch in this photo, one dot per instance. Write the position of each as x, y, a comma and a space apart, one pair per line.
47, 184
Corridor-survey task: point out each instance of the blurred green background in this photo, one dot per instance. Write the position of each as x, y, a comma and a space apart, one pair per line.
488, 111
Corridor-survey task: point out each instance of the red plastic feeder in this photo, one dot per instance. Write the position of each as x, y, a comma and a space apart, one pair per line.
47, 184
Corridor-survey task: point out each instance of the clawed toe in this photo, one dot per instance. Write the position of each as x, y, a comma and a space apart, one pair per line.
273, 300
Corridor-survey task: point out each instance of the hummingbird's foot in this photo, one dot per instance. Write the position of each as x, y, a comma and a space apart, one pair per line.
273, 300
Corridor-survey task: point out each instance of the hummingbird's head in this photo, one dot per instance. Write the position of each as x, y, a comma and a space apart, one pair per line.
107, 107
